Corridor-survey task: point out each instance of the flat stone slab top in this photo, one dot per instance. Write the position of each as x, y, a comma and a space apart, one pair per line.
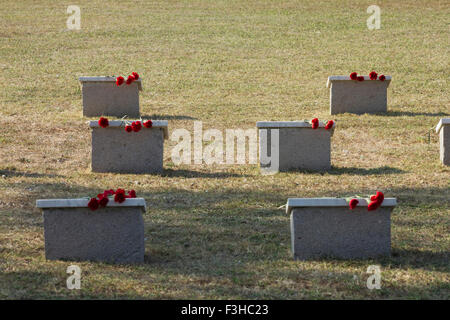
443, 122
161, 124
102, 97
82, 203
327, 227
443, 129
352, 96
114, 234
332, 79
294, 145
115, 150
289, 124
108, 79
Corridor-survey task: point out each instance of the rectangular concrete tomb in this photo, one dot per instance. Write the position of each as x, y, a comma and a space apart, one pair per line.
113, 234
116, 150
294, 145
352, 96
102, 97
326, 227
443, 129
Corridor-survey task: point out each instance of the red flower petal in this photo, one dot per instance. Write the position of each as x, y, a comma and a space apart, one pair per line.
353, 203
130, 79
380, 197
103, 202
128, 128
382, 77
148, 124
103, 122
353, 75
132, 194
360, 78
315, 123
119, 196
136, 126
329, 125
109, 192
373, 75
135, 75
119, 80
93, 204
373, 205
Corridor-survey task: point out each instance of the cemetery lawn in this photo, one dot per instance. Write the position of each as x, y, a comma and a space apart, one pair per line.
220, 232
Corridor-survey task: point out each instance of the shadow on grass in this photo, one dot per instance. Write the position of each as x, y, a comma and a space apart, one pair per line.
166, 117
364, 171
14, 173
200, 174
352, 170
412, 114
24, 284
413, 258
402, 259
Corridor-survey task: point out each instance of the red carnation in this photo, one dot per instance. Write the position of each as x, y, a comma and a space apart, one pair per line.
130, 79
379, 197
136, 126
135, 75
360, 78
315, 123
376, 201
353, 75
382, 77
103, 122
329, 124
131, 194
148, 124
103, 202
109, 192
119, 196
119, 80
128, 128
93, 204
353, 203
373, 75
373, 205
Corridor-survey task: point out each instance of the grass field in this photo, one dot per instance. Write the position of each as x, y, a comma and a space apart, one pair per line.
218, 231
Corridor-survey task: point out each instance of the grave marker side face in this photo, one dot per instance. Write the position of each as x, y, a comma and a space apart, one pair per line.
443, 129
102, 97
115, 150
112, 234
358, 97
333, 230
298, 146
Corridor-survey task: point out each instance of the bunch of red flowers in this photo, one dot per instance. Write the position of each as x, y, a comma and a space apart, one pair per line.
375, 202
372, 75
136, 126
132, 77
315, 124
102, 199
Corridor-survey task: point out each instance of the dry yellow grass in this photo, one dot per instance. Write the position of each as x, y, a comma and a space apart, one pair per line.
217, 232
